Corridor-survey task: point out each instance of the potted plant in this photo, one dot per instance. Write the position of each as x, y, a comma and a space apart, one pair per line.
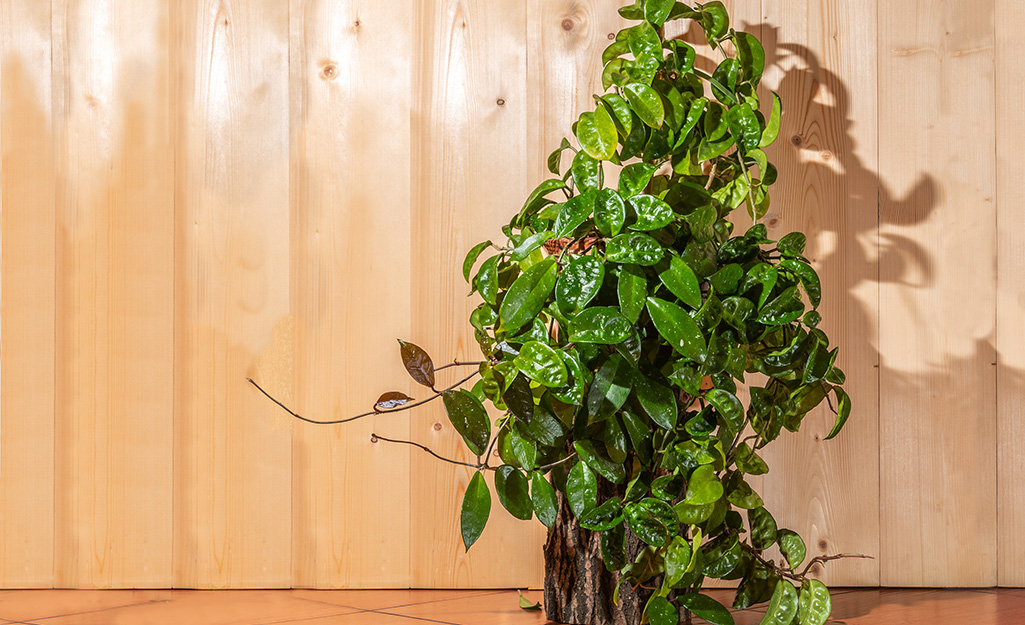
616, 324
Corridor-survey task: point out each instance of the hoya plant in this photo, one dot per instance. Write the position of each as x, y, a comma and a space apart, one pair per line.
621, 326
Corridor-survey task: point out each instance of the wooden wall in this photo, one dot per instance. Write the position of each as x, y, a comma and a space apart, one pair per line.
194, 192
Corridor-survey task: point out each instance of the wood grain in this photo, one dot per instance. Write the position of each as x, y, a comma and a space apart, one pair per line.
937, 294
114, 271
1010, 330
827, 188
469, 168
232, 448
350, 196
26, 296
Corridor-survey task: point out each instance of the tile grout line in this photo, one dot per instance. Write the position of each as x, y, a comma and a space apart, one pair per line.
403, 605
116, 607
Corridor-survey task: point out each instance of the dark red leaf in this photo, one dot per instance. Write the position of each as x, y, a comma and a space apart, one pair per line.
392, 399
417, 363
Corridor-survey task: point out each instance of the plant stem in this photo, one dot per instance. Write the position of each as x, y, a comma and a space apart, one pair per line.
456, 363
376, 437
436, 395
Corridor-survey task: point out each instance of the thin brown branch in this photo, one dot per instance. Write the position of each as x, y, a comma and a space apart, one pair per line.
456, 363
791, 573
365, 414
823, 559
376, 437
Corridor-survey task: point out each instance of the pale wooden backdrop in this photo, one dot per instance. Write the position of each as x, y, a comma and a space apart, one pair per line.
195, 191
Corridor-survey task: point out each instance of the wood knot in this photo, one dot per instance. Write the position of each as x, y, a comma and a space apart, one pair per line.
612, 36
329, 71
357, 23
500, 102
796, 140
437, 427
567, 24
822, 545
373, 438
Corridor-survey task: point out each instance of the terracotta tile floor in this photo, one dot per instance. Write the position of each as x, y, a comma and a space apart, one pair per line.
450, 607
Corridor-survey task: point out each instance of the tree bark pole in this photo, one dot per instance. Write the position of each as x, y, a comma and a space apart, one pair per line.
578, 587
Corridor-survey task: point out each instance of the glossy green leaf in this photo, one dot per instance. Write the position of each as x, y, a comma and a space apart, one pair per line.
657, 399
621, 113
727, 405
609, 212
792, 547
555, 158
573, 213
679, 278
792, 245
678, 328
678, 558
643, 40
610, 388
524, 450
715, 20
635, 248
783, 605
632, 290
597, 135
527, 604
751, 55
471, 258
724, 80
541, 363
646, 102
743, 496
661, 612
527, 295
528, 245
692, 514
578, 283
786, 307
586, 172
486, 280
744, 126
656, 12
469, 418
808, 277
843, 411
706, 608
599, 461
514, 492
475, 509
652, 213
772, 125
703, 487
814, 603
652, 520
749, 462
599, 324
763, 528
633, 179
581, 489
536, 199
604, 517
544, 499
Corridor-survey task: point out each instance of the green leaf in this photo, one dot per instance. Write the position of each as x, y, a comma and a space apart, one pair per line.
471, 258
475, 510
814, 604
772, 126
652, 213
546, 503
604, 517
586, 172
792, 547
418, 364
783, 605
528, 245
749, 462
573, 213
469, 418
808, 277
659, 610
715, 20
843, 411
486, 280
678, 558
555, 158
657, 399
612, 471
527, 295
644, 41
621, 113
579, 282
652, 520
634, 247
542, 364
743, 496
751, 56
527, 604
635, 178
792, 245
610, 388
524, 450
678, 328
536, 199
581, 489
692, 514
703, 487
596, 133
514, 492
679, 278
599, 324
646, 102
632, 290
609, 212
706, 608
656, 12
763, 528
785, 308
727, 404
724, 81
744, 126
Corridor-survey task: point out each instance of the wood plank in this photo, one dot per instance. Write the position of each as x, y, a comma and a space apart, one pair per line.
937, 294
469, 164
817, 52
350, 195
1010, 333
233, 448
114, 278
27, 296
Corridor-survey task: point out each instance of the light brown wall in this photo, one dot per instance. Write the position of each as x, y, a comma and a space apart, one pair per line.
198, 191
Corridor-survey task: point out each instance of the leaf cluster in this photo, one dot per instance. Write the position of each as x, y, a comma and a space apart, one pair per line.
618, 356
